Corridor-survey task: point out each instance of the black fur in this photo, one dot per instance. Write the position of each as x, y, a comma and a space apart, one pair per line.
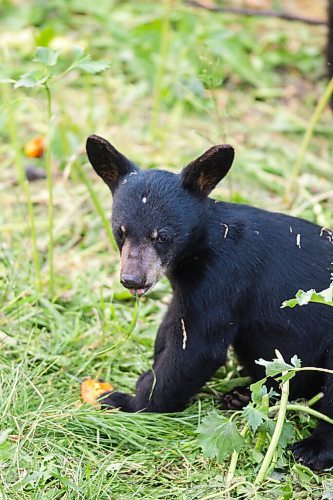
230, 266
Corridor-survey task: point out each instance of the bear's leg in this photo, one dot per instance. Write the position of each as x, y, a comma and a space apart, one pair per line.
316, 451
178, 373
176, 376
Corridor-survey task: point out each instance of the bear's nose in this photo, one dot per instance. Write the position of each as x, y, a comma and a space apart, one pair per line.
132, 281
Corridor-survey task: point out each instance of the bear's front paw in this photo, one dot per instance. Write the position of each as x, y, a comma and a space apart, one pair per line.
112, 400
314, 452
236, 399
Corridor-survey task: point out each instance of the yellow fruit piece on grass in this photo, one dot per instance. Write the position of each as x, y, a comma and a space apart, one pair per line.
35, 148
91, 390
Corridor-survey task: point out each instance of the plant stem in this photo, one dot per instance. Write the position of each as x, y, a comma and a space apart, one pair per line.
24, 184
322, 103
303, 409
129, 330
234, 459
97, 205
314, 369
277, 431
315, 399
50, 186
163, 54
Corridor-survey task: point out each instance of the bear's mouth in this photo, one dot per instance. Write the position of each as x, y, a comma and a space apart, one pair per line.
140, 291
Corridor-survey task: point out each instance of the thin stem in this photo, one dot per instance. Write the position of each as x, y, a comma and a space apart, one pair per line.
234, 459
322, 103
24, 184
97, 205
129, 330
303, 409
313, 369
277, 431
50, 187
315, 399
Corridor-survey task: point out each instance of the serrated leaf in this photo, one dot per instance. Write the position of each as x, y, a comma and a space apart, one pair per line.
258, 390
296, 362
46, 56
78, 53
93, 66
28, 80
287, 434
257, 456
274, 367
254, 416
218, 437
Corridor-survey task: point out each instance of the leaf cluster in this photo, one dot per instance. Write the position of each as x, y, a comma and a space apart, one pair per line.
303, 298
51, 67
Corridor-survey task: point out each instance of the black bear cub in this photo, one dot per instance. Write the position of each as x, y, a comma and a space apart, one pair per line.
230, 266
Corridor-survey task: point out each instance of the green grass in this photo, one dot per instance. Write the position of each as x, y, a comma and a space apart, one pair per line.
179, 81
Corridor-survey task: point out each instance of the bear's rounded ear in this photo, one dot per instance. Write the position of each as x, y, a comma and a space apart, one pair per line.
108, 163
201, 175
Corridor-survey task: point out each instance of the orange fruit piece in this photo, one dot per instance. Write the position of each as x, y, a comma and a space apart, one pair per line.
92, 389
35, 147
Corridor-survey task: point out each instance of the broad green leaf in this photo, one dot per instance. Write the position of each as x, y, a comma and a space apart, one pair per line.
274, 367
28, 80
78, 53
46, 56
93, 66
287, 434
254, 416
218, 437
258, 390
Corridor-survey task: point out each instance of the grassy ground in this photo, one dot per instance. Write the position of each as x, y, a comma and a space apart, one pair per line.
179, 80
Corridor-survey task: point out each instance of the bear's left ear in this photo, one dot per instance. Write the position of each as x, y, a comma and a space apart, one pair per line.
201, 175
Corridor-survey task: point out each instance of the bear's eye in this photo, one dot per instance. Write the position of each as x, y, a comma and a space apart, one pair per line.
121, 232
162, 237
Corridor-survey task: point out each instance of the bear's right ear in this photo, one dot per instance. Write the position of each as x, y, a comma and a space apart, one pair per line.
201, 175
107, 161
